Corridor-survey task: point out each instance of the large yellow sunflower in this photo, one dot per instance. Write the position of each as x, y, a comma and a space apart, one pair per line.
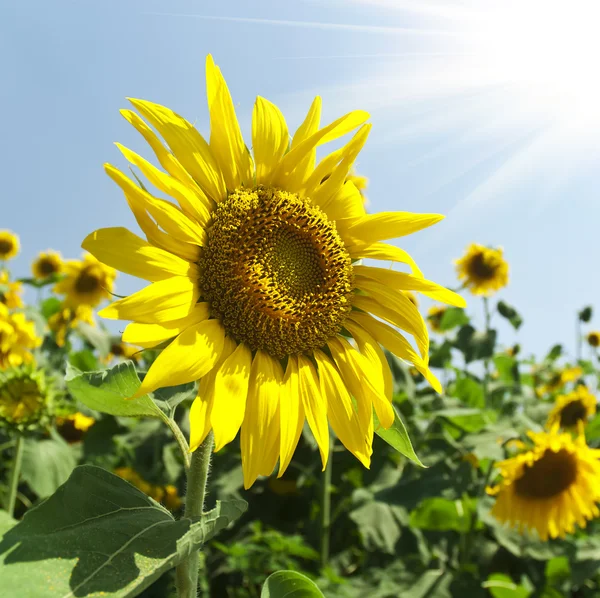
10, 291
68, 318
9, 245
46, 264
86, 282
17, 339
572, 408
434, 317
483, 269
551, 487
254, 276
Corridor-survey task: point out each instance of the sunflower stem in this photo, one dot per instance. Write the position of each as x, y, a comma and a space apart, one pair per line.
14, 476
326, 507
486, 361
186, 574
179, 438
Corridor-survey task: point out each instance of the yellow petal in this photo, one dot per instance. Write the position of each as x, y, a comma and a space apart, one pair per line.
291, 415
164, 300
150, 335
193, 202
189, 357
260, 429
270, 138
361, 369
407, 282
383, 251
340, 411
387, 225
170, 218
315, 405
309, 127
201, 411
121, 249
347, 202
188, 146
231, 391
226, 141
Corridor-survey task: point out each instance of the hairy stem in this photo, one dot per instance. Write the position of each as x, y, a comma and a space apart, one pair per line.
180, 438
187, 571
14, 475
486, 361
326, 507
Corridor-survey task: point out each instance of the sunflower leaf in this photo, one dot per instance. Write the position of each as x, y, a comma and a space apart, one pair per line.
289, 584
397, 437
110, 391
100, 536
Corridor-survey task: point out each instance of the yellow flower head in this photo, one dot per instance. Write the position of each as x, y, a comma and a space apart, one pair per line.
483, 269
67, 318
46, 264
123, 351
434, 317
253, 276
412, 297
86, 282
593, 339
73, 427
559, 379
9, 245
25, 397
572, 408
551, 487
10, 292
17, 339
168, 494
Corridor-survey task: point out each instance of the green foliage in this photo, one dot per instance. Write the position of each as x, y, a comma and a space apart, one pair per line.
289, 584
474, 344
510, 313
452, 318
397, 437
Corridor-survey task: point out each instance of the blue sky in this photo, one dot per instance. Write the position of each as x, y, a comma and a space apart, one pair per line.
501, 161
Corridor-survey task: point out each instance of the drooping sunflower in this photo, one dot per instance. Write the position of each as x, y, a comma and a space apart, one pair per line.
73, 426
254, 276
434, 317
87, 282
17, 339
551, 487
593, 339
483, 269
67, 318
9, 245
119, 350
46, 264
560, 379
572, 408
10, 291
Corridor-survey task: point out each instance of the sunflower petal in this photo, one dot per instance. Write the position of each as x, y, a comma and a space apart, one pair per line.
347, 203
383, 251
150, 335
121, 249
161, 301
270, 138
407, 282
291, 415
189, 357
231, 391
309, 127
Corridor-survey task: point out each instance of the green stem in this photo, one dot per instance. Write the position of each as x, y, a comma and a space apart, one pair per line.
578, 339
14, 475
486, 361
180, 438
326, 507
187, 571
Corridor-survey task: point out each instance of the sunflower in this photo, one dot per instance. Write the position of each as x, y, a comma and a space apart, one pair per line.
254, 276
17, 338
9, 245
434, 317
46, 264
168, 495
74, 426
572, 408
560, 379
483, 269
25, 397
10, 291
68, 318
550, 487
86, 282
593, 339
119, 350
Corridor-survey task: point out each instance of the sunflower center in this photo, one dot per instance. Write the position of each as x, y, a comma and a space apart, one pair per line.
87, 282
117, 349
46, 267
275, 272
594, 339
5, 246
572, 413
482, 268
20, 400
549, 476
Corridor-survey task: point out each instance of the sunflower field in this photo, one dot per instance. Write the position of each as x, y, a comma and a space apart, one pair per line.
279, 416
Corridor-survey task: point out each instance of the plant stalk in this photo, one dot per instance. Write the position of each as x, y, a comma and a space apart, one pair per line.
14, 476
187, 571
486, 361
326, 507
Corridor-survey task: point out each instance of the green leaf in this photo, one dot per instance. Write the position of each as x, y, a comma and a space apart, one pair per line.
510, 313
554, 353
469, 391
558, 570
452, 318
508, 368
173, 395
290, 584
109, 391
84, 360
47, 464
475, 345
6, 522
502, 586
50, 306
440, 355
98, 338
100, 536
442, 515
585, 315
397, 437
